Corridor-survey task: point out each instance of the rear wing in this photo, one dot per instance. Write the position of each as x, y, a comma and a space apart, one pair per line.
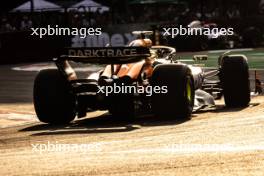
104, 55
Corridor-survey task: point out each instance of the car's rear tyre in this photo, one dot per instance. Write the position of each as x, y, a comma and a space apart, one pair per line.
53, 101
178, 102
234, 77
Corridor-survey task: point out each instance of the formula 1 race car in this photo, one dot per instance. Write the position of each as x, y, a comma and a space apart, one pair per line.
139, 78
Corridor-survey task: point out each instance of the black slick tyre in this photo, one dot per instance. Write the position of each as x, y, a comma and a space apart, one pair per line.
53, 101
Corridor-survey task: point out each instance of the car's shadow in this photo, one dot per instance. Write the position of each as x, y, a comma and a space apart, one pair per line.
101, 124
107, 124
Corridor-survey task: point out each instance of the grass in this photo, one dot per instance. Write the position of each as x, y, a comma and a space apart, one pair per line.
255, 58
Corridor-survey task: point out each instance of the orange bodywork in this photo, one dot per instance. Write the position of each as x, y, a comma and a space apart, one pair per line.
133, 69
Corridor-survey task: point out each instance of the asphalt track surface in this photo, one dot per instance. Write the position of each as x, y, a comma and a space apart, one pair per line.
219, 141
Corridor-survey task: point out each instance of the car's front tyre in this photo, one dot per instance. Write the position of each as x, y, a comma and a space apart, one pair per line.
234, 77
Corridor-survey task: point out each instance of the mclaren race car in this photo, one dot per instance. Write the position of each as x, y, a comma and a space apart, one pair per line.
137, 79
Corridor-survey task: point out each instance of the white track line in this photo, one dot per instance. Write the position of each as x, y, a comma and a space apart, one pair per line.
239, 49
